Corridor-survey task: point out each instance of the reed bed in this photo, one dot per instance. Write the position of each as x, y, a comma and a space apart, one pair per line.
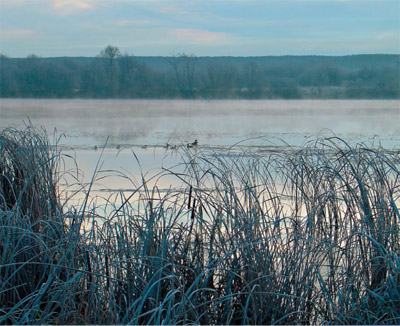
303, 236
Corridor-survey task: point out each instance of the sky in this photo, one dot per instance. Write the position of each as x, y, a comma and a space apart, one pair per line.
51, 28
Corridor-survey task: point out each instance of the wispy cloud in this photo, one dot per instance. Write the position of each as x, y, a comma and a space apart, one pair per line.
13, 2
197, 35
16, 33
204, 27
63, 7
388, 36
341, 0
67, 7
136, 22
172, 9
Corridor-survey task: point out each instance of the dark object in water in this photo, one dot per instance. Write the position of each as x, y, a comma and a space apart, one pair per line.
194, 144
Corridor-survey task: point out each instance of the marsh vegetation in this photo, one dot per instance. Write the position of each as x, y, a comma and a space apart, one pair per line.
308, 235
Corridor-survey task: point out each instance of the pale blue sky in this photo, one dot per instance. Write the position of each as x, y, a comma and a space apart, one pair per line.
203, 27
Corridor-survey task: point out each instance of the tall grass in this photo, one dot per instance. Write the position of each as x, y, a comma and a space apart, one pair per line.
289, 237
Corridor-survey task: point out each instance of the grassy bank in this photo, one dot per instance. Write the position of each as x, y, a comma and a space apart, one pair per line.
304, 236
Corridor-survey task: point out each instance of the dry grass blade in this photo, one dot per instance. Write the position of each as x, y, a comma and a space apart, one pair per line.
301, 236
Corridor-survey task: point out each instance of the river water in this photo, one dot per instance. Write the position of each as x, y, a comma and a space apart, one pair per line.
158, 131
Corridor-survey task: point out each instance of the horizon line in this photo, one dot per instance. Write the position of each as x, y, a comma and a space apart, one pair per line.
213, 56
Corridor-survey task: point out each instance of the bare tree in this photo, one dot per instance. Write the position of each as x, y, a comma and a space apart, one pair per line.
183, 66
128, 67
110, 53
218, 80
109, 56
253, 80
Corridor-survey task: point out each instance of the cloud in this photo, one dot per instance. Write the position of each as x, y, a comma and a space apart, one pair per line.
136, 22
172, 9
16, 33
339, 0
12, 2
63, 7
388, 36
66, 7
197, 35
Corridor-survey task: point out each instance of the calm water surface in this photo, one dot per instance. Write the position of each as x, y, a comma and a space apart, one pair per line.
153, 122
144, 127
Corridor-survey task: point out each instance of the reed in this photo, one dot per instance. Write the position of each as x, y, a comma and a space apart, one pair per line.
301, 236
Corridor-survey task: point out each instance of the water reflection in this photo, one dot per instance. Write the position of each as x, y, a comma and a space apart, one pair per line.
153, 122
145, 136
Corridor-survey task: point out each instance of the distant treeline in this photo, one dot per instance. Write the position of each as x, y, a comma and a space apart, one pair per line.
112, 75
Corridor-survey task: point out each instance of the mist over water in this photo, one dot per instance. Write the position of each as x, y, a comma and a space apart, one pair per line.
217, 122
144, 127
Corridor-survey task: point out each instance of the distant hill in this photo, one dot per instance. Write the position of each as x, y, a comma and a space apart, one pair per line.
351, 62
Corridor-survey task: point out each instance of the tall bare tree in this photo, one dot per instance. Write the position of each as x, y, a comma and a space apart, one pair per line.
183, 66
109, 56
253, 80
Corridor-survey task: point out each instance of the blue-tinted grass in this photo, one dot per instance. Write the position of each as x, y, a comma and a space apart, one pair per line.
297, 237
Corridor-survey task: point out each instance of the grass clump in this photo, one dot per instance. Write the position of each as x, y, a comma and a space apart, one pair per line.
301, 236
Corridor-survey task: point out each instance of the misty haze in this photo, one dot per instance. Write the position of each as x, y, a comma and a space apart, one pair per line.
87, 123
173, 162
